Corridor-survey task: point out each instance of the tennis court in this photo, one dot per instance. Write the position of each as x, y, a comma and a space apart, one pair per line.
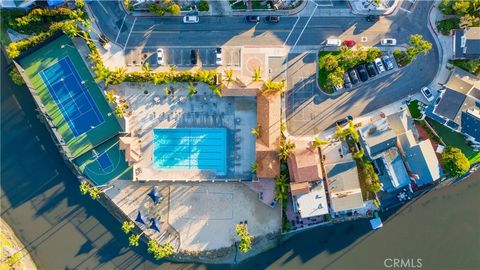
71, 96
190, 148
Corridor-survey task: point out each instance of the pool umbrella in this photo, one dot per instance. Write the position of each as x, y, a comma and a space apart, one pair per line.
139, 218
154, 225
154, 194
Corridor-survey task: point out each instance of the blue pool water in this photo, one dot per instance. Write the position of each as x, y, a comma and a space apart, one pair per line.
190, 148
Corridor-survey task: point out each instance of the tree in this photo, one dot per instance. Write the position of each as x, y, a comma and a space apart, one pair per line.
16, 77
216, 90
469, 20
328, 62
335, 79
286, 148
455, 162
159, 251
127, 226
270, 86
254, 167
116, 77
317, 142
257, 75
94, 193
359, 154
110, 95
373, 53
372, 182
461, 7
256, 131
228, 74
245, 237
203, 5
84, 187
418, 45
173, 9
281, 187
134, 240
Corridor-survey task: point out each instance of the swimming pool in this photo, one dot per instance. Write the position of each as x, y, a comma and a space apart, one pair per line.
190, 149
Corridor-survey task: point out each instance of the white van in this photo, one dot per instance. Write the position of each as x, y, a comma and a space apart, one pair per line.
333, 42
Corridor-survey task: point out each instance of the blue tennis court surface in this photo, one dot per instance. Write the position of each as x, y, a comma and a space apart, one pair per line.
104, 161
190, 148
71, 96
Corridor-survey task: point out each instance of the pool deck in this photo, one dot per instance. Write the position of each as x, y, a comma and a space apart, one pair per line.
203, 110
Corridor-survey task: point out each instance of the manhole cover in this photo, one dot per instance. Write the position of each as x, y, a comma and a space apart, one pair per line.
364, 39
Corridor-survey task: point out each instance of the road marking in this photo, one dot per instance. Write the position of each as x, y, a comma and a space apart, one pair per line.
405, 10
298, 18
301, 33
120, 30
130, 32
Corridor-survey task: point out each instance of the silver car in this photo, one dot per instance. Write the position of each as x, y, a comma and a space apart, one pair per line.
379, 64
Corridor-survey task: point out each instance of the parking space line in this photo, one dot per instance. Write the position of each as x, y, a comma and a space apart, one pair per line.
130, 32
120, 30
401, 8
305, 26
290, 33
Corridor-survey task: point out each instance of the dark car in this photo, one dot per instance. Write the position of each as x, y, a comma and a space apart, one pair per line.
353, 76
372, 71
372, 18
345, 120
387, 62
272, 19
194, 57
346, 81
251, 18
362, 72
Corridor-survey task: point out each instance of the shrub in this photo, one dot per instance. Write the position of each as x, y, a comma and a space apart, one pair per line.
203, 5
445, 26
16, 77
455, 162
245, 238
173, 9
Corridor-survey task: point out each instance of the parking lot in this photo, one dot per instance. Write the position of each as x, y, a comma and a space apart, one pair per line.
181, 56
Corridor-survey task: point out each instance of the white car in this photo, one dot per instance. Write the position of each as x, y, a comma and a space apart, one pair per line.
218, 56
379, 64
388, 42
190, 19
333, 42
160, 60
427, 93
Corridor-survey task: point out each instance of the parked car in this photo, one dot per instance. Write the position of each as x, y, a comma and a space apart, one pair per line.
388, 62
372, 71
345, 120
379, 64
347, 83
333, 42
353, 76
349, 42
427, 93
218, 56
194, 57
190, 19
251, 18
338, 87
388, 42
272, 19
160, 60
372, 18
362, 72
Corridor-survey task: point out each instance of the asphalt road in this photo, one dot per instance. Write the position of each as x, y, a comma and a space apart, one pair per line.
309, 111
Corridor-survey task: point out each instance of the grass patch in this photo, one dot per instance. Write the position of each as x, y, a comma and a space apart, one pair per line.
472, 65
475, 158
445, 26
322, 74
414, 110
452, 138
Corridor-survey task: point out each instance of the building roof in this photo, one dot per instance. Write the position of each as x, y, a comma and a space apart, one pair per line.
313, 203
461, 81
344, 186
471, 123
400, 121
268, 120
304, 163
423, 161
450, 104
299, 188
466, 43
392, 171
378, 136
406, 140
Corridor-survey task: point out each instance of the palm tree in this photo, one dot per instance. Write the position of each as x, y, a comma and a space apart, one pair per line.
127, 226
133, 240
256, 75
281, 187
254, 167
110, 95
257, 131
93, 191
216, 89
84, 187
317, 142
270, 86
286, 148
228, 74
191, 90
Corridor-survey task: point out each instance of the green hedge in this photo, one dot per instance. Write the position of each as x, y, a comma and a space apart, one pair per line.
445, 26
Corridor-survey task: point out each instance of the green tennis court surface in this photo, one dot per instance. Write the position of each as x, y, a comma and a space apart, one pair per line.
70, 96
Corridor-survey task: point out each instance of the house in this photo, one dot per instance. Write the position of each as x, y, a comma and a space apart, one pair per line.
390, 143
268, 143
458, 104
306, 180
26, 4
466, 43
423, 163
342, 178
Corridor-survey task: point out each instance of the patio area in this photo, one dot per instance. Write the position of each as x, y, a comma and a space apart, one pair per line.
170, 106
